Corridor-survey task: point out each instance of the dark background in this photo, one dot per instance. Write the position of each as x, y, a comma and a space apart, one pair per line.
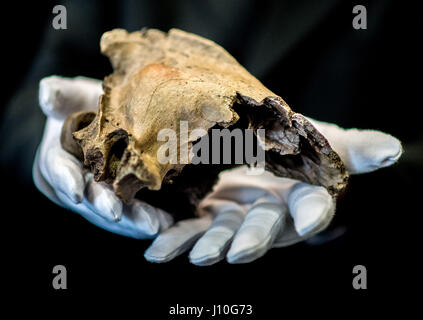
307, 52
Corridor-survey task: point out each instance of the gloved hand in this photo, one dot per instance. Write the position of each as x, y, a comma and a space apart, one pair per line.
61, 177
246, 215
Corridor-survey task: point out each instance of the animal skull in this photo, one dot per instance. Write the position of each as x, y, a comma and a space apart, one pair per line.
161, 79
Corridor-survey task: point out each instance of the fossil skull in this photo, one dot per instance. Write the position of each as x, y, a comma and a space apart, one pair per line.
161, 79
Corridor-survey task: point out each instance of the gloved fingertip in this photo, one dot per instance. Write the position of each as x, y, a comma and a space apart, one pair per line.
109, 206
150, 228
153, 254
310, 215
102, 200
72, 185
146, 218
392, 153
311, 210
177, 239
240, 258
244, 249
45, 95
76, 198
205, 253
201, 262
64, 174
373, 150
116, 211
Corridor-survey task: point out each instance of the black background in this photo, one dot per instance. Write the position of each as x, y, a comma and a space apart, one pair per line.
306, 51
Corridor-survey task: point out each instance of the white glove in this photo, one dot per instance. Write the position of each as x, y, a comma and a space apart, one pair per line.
266, 199
61, 177
247, 215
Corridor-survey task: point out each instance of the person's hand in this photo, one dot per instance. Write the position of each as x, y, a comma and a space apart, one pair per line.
247, 215
62, 178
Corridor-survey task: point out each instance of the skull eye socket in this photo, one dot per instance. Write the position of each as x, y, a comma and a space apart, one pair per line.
84, 120
74, 123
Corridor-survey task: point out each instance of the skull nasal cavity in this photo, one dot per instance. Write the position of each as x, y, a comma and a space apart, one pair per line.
119, 147
119, 142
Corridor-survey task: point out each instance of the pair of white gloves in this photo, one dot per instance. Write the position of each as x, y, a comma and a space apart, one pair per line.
241, 219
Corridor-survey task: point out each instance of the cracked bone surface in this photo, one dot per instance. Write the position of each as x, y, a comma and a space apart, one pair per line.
161, 79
